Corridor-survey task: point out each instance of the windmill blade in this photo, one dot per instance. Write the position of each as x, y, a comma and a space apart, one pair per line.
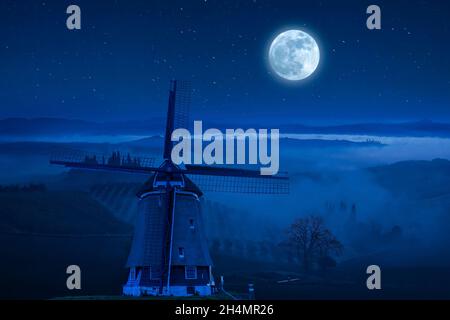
231, 172
182, 104
114, 161
177, 111
237, 180
235, 184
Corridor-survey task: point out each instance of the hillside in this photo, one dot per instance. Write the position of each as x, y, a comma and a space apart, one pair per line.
56, 213
415, 179
44, 232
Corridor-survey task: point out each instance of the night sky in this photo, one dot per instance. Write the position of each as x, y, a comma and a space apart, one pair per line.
119, 64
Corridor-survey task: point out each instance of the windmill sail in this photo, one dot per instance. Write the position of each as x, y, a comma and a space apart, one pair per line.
233, 184
177, 111
234, 180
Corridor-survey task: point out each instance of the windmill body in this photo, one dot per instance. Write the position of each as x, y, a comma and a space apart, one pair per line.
169, 252
187, 255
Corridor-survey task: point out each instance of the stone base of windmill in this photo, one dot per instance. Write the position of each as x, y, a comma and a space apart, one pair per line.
177, 291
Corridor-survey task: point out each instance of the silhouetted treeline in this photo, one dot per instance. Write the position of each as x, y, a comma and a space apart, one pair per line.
24, 188
115, 159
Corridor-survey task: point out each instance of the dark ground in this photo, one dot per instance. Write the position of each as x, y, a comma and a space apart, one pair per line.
36, 269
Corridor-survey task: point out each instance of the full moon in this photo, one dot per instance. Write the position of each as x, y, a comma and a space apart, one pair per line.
294, 55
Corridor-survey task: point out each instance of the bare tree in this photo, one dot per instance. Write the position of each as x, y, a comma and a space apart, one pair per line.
312, 241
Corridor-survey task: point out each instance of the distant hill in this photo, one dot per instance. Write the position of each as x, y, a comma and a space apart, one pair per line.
61, 126
419, 128
415, 179
58, 126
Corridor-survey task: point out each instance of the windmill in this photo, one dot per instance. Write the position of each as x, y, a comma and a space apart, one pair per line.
169, 253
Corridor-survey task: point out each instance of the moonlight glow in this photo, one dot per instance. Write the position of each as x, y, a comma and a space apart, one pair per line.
294, 55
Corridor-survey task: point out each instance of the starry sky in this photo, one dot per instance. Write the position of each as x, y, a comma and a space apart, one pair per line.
118, 66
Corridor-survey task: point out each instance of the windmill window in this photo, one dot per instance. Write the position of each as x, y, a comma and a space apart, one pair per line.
181, 252
190, 272
191, 223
